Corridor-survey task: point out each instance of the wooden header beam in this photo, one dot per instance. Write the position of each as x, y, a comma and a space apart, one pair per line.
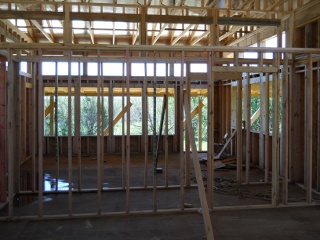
117, 17
121, 48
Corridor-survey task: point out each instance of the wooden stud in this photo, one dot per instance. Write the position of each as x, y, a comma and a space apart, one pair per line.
3, 151
166, 157
128, 134
40, 134
309, 127
267, 130
123, 144
263, 92
99, 160
34, 124
16, 81
145, 124
247, 108
187, 141
69, 137
10, 132
56, 127
155, 134
202, 193
51, 115
23, 119
111, 139
200, 125
210, 142
67, 28
275, 134
318, 150
180, 109
77, 119
285, 131
239, 127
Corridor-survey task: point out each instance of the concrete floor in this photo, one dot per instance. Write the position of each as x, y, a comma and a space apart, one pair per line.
277, 223
280, 223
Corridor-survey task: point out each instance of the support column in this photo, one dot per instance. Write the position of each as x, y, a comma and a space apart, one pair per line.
285, 131
247, 115
239, 126
3, 149
275, 133
111, 143
309, 128
210, 136
77, 121
145, 123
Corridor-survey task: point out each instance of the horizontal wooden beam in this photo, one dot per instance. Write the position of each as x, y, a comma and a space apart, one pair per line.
117, 48
248, 21
245, 69
118, 17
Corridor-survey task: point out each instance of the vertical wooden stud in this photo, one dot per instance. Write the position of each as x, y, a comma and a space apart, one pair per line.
239, 126
309, 127
77, 119
99, 160
69, 137
187, 143
3, 151
145, 123
166, 157
40, 133
285, 131
275, 133
210, 142
247, 107
267, 129
182, 167
128, 134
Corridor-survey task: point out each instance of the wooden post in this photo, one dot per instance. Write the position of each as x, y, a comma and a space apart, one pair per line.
166, 158
263, 92
17, 99
247, 108
3, 127
210, 136
56, 127
154, 151
51, 115
145, 123
34, 124
23, 119
200, 125
111, 125
40, 133
239, 127
285, 131
77, 119
99, 160
318, 150
202, 193
128, 134
10, 132
309, 127
275, 133
67, 28
143, 26
187, 143
267, 130
69, 137
123, 144
182, 160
